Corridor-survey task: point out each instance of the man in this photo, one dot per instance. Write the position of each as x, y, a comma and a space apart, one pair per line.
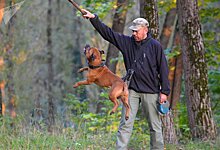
148, 85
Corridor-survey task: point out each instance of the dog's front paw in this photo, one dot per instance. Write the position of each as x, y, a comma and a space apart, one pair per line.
80, 70
75, 85
112, 112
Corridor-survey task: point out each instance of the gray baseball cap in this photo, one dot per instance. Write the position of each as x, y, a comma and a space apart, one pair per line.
138, 23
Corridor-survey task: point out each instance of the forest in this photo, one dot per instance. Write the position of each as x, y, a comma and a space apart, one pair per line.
41, 50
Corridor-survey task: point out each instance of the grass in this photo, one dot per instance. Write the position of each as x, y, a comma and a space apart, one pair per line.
26, 137
74, 140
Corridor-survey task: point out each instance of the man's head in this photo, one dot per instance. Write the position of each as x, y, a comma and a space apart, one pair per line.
139, 29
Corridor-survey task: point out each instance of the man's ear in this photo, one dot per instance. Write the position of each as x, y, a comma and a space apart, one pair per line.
101, 51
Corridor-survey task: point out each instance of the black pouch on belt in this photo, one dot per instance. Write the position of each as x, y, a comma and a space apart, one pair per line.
128, 76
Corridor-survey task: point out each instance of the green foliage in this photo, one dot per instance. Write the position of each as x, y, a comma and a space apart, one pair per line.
100, 7
196, 145
102, 121
209, 10
166, 5
210, 16
171, 53
75, 105
182, 123
118, 59
21, 136
214, 82
93, 122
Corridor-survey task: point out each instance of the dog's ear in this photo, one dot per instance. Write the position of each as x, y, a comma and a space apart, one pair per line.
87, 46
101, 51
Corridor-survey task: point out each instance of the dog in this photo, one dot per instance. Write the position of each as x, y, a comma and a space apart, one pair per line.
99, 74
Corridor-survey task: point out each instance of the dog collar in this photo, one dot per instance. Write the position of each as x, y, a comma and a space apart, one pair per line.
94, 67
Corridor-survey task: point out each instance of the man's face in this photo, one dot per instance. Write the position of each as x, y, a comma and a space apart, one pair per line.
140, 34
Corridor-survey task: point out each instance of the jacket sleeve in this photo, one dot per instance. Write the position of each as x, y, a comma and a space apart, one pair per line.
163, 71
117, 39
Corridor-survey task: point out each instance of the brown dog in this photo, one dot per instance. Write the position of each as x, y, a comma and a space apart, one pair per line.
99, 74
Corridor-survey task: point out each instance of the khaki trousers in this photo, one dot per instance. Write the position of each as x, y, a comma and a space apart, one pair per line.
149, 104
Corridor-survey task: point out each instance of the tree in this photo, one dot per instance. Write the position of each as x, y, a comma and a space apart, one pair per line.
167, 42
51, 107
175, 74
118, 26
148, 9
10, 64
200, 115
2, 5
170, 41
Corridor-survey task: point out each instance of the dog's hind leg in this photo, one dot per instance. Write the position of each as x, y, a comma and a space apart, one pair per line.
113, 98
125, 102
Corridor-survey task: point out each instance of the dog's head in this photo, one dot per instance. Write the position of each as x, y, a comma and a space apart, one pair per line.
93, 54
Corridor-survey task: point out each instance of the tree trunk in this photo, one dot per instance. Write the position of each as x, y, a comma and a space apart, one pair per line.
175, 75
10, 65
2, 5
1, 102
200, 115
168, 28
148, 10
37, 113
118, 26
51, 118
166, 40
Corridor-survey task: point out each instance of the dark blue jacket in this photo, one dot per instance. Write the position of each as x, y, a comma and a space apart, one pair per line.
151, 69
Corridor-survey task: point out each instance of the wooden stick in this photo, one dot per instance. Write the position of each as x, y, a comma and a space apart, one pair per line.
77, 6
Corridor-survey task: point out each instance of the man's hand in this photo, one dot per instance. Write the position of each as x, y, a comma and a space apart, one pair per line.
163, 97
88, 14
